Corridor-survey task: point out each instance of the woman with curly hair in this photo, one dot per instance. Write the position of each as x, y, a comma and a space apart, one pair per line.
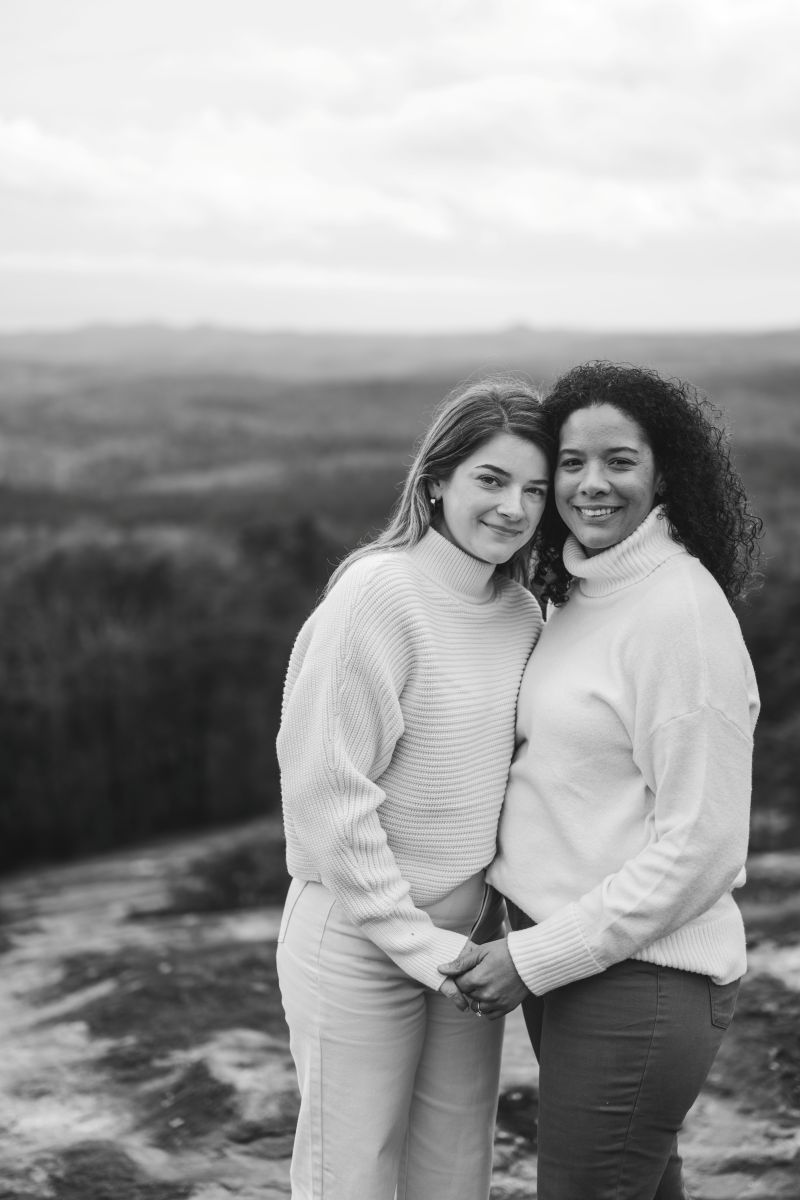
624, 829
395, 742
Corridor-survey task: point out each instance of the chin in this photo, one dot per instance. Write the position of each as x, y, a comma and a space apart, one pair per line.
486, 556
594, 545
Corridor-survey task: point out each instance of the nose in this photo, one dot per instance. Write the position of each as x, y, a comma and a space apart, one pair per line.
509, 504
593, 480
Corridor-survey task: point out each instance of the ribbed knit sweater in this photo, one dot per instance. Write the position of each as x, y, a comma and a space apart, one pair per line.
625, 823
397, 735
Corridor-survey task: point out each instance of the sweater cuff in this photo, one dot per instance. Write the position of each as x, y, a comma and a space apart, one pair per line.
553, 953
443, 947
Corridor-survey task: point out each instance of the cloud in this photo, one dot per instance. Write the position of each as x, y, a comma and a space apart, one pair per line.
288, 274
368, 144
34, 160
295, 75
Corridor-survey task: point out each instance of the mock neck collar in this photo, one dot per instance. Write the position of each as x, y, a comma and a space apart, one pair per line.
452, 568
631, 560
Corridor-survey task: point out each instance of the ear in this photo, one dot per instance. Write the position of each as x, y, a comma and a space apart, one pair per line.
434, 490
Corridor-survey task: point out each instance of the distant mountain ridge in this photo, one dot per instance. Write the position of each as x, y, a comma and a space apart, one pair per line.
154, 348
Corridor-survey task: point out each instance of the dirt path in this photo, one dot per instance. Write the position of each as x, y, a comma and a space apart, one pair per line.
145, 1058
137, 1046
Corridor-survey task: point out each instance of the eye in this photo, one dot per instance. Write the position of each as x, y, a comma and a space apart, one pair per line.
489, 480
569, 464
622, 462
536, 490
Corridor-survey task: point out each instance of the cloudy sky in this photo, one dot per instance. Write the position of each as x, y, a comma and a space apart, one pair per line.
424, 165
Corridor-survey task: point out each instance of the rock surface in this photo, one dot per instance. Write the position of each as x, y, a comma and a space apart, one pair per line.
145, 1057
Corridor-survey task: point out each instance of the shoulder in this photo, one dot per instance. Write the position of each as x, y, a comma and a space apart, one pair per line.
684, 594
517, 598
373, 592
705, 657
378, 574
685, 629
363, 619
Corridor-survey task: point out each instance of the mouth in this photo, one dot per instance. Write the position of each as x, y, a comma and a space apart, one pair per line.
594, 512
503, 531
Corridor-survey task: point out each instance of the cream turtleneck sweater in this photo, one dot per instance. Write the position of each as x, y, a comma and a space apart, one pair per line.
396, 738
625, 823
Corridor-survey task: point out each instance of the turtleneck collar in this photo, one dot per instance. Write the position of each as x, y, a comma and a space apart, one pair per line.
630, 561
452, 568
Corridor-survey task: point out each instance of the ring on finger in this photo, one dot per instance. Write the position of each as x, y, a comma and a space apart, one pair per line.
477, 1009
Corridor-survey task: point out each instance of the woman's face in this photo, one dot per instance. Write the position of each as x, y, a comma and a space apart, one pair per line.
606, 477
493, 501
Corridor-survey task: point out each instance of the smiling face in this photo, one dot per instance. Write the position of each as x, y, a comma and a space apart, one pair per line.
494, 499
606, 476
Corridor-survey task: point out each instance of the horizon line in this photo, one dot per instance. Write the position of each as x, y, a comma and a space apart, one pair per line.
158, 325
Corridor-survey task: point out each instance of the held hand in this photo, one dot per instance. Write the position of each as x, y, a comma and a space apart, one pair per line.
469, 957
451, 991
487, 975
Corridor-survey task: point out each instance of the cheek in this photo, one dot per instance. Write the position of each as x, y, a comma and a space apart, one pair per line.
461, 512
649, 489
561, 491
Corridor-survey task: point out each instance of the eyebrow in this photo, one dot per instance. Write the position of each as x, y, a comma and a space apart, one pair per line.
505, 474
610, 450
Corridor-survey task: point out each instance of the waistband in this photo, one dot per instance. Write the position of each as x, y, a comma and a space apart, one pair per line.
461, 904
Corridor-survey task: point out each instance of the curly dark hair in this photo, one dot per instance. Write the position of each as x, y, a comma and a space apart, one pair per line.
704, 497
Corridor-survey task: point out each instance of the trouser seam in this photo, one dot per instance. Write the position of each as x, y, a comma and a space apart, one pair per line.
402, 1166
318, 1185
635, 1104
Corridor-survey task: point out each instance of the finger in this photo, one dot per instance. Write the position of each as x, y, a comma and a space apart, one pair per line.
450, 990
469, 982
466, 960
479, 1009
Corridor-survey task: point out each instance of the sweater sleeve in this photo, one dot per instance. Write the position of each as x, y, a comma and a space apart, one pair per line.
696, 766
341, 722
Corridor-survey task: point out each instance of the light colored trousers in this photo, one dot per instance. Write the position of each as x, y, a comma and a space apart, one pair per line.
398, 1087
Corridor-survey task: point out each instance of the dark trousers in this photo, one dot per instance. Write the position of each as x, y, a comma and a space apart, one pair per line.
622, 1058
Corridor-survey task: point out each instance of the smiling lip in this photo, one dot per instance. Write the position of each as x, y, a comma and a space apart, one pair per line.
595, 512
503, 531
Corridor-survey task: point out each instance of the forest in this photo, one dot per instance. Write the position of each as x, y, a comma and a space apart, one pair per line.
172, 502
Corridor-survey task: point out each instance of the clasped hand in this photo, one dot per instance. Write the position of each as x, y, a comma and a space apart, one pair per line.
484, 975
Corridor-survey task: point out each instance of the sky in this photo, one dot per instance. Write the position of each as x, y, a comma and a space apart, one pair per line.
426, 166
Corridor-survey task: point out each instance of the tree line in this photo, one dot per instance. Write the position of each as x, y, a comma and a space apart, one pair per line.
140, 683
141, 678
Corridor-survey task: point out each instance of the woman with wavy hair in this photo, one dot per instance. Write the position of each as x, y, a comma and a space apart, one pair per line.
396, 737
625, 825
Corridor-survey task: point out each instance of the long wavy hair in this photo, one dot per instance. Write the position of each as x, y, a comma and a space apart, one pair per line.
703, 495
468, 417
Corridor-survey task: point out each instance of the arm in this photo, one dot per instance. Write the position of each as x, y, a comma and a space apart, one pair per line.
698, 768
688, 702
689, 718
341, 722
699, 850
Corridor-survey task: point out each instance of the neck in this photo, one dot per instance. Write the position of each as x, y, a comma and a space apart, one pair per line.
630, 560
452, 567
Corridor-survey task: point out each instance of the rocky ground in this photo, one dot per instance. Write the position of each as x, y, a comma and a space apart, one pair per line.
144, 1055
